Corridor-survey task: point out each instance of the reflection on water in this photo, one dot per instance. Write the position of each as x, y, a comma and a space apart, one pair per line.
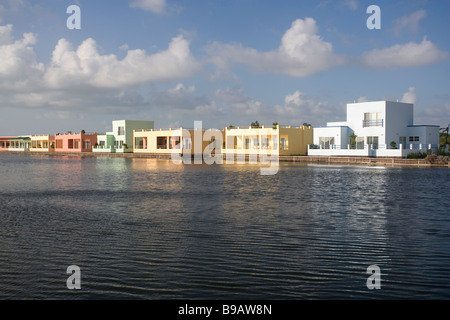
145, 228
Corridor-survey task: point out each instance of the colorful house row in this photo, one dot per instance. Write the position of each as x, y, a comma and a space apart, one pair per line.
68, 142
141, 137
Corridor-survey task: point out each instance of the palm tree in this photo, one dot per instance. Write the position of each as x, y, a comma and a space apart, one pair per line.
445, 130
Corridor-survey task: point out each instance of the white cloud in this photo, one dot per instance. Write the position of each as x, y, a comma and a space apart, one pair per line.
410, 22
351, 4
404, 55
437, 115
300, 108
85, 66
18, 65
410, 96
302, 52
362, 99
156, 6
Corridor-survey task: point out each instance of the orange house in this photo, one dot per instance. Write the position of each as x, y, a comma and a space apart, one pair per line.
75, 142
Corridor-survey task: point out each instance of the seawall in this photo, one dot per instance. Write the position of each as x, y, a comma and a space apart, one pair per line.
323, 160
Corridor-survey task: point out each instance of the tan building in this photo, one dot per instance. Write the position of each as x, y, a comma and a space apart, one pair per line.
172, 141
42, 143
273, 140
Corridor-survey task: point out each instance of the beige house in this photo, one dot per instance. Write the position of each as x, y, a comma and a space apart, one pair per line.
42, 143
172, 141
273, 140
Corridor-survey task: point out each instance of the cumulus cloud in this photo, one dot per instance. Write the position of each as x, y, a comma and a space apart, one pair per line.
85, 65
410, 96
300, 107
404, 55
410, 22
156, 6
82, 78
18, 66
302, 52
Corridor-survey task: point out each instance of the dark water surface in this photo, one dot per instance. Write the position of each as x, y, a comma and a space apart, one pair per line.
150, 229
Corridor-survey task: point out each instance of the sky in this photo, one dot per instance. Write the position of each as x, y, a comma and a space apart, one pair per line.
222, 62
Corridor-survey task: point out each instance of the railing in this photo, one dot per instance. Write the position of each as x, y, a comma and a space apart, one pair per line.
373, 123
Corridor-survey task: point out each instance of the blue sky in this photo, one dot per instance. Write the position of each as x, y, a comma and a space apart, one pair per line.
222, 62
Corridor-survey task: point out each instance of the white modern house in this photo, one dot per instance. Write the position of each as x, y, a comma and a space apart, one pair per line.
375, 129
121, 138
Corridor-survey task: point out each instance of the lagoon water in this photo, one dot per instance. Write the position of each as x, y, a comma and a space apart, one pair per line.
151, 229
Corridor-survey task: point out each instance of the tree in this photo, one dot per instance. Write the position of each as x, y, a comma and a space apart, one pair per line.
255, 124
306, 124
352, 140
393, 145
275, 124
83, 132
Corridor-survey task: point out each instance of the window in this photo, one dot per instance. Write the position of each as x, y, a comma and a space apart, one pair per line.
373, 141
359, 142
255, 143
102, 144
174, 142
161, 142
187, 143
87, 144
247, 143
77, 144
326, 142
140, 142
121, 131
70, 141
372, 119
284, 143
415, 138
265, 143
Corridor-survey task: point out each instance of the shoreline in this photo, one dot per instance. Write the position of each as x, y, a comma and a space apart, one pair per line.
321, 160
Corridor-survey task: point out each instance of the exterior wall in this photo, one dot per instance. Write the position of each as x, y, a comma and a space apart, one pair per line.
340, 135
399, 117
42, 143
252, 140
122, 140
20, 144
5, 143
67, 142
169, 141
299, 139
355, 120
427, 135
105, 143
394, 123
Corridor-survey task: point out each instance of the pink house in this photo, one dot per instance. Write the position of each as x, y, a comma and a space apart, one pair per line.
5, 143
75, 142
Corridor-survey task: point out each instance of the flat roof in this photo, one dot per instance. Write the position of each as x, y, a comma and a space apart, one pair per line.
424, 125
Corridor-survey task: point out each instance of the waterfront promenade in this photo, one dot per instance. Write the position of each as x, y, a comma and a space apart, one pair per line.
320, 160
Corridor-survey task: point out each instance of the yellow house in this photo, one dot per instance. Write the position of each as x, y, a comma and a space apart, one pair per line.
181, 141
274, 140
42, 143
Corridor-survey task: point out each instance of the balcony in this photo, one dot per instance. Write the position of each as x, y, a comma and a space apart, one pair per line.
373, 123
